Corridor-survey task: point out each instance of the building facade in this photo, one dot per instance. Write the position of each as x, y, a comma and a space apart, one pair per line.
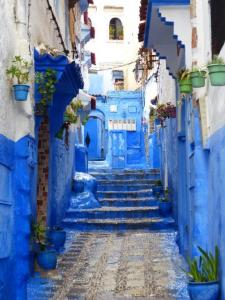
115, 132
192, 148
115, 45
33, 161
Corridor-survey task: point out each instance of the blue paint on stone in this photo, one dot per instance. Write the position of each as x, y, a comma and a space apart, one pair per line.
154, 156
125, 148
84, 191
81, 159
61, 172
15, 215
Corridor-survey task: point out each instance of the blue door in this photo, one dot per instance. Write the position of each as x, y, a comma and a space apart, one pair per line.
119, 148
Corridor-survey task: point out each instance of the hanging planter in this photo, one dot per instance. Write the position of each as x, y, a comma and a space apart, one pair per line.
185, 86
198, 78
21, 91
184, 81
217, 71
19, 71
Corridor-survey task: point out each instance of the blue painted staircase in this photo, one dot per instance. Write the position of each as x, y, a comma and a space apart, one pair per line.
126, 202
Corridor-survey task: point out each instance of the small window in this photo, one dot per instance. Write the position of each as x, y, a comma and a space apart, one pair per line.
115, 29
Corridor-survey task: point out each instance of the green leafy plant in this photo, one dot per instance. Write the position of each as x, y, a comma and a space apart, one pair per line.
158, 182
46, 85
166, 196
85, 120
19, 70
205, 267
183, 74
216, 60
38, 231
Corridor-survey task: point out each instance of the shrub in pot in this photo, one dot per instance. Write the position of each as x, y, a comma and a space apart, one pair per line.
157, 188
204, 276
217, 71
57, 237
165, 204
198, 77
19, 72
184, 81
46, 257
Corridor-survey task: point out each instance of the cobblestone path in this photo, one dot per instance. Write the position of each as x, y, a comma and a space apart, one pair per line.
115, 266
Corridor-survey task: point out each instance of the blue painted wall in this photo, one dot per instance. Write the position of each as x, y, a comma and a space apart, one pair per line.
62, 159
216, 203
16, 171
125, 149
154, 154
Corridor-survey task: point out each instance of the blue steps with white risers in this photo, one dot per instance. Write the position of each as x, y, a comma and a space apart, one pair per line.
156, 223
131, 202
114, 212
123, 187
126, 202
128, 175
124, 194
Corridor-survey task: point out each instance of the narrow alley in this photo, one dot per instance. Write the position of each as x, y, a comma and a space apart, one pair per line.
128, 252
112, 150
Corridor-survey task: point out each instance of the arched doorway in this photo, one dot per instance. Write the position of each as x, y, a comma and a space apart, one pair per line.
95, 135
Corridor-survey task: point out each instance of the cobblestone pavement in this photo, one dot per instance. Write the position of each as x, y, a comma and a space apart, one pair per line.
115, 266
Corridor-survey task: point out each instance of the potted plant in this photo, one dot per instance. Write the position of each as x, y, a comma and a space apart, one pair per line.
165, 204
57, 237
204, 276
157, 188
184, 81
198, 77
46, 87
46, 257
217, 71
19, 72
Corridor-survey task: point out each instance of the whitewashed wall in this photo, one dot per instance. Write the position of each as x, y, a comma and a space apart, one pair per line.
166, 85
20, 38
180, 15
213, 98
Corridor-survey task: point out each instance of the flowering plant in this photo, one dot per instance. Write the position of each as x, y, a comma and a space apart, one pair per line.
164, 111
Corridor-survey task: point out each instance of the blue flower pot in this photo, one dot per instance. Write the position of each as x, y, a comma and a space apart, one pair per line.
57, 238
165, 208
21, 91
157, 189
203, 290
47, 259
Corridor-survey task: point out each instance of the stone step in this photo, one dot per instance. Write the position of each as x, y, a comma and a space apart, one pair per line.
131, 202
124, 171
113, 212
156, 223
123, 187
122, 175
124, 194
125, 181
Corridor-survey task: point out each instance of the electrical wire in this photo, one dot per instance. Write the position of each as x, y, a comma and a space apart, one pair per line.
116, 67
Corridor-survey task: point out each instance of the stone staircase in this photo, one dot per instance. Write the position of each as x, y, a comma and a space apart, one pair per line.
126, 202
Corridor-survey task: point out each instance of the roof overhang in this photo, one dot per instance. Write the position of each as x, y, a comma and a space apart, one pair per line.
159, 35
